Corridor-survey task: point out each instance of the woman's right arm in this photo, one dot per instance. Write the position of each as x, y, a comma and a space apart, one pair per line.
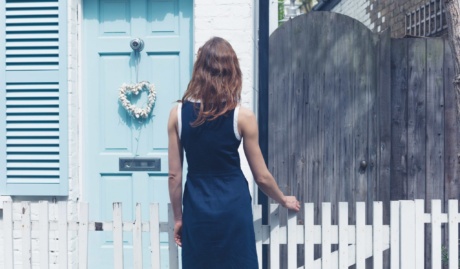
175, 159
247, 125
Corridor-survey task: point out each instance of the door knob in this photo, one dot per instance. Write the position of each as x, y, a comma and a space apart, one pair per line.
137, 44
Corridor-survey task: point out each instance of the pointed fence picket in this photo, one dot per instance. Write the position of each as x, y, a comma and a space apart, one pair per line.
405, 235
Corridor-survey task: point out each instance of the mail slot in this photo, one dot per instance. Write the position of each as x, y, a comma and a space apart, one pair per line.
140, 164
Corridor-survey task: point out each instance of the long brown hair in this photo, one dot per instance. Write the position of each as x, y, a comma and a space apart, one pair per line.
216, 80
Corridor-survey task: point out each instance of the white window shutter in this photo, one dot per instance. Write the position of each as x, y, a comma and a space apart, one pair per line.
33, 98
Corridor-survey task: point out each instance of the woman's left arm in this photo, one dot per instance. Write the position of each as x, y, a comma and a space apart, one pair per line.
175, 159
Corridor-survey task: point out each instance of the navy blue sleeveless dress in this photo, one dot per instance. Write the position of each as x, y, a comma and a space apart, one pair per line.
218, 231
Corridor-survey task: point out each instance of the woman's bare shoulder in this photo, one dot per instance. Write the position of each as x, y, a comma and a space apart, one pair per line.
246, 121
173, 111
246, 114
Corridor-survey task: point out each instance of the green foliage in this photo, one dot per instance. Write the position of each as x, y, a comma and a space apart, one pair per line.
445, 256
280, 12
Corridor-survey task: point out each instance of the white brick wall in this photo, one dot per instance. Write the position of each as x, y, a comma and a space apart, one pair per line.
355, 9
232, 20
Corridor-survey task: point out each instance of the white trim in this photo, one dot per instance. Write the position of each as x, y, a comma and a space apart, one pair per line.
235, 123
179, 119
81, 126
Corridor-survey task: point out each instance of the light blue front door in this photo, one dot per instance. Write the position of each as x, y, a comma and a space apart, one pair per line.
109, 132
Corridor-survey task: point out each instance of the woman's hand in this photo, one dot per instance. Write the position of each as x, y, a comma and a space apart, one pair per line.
178, 233
291, 203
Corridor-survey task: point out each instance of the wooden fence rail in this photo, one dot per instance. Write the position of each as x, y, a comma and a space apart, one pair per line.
405, 234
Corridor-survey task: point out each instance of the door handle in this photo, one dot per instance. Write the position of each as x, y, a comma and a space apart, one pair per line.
137, 44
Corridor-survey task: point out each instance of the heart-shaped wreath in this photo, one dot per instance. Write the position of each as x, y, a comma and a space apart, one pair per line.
127, 89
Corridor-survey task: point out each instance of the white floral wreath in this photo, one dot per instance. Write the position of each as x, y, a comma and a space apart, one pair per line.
126, 90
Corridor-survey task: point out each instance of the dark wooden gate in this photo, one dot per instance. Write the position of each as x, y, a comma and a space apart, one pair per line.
357, 116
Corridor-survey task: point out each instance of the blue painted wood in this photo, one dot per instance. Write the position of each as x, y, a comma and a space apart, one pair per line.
33, 100
109, 132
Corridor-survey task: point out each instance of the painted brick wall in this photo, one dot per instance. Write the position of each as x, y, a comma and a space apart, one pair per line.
233, 21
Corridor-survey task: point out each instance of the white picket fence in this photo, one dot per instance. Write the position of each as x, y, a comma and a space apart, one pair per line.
405, 235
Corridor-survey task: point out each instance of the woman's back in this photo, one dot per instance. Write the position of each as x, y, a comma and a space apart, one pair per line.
211, 147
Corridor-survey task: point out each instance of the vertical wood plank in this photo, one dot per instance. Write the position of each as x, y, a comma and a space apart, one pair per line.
345, 117
26, 236
8, 234
155, 236
299, 180
296, 111
371, 66
83, 235
343, 235
407, 235
173, 251
416, 119
384, 98
360, 235
384, 117
377, 233
117, 236
309, 235
137, 238
315, 124
279, 88
326, 236
451, 131
436, 245
435, 120
435, 126
44, 233
274, 236
399, 122
394, 234
63, 239
292, 239
361, 112
327, 123
419, 233
453, 233
317, 127
308, 112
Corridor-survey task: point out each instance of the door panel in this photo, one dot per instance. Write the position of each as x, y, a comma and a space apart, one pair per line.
109, 132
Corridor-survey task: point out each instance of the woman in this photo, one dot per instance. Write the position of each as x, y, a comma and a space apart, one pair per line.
216, 228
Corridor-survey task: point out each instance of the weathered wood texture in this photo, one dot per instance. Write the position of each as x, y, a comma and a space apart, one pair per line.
357, 116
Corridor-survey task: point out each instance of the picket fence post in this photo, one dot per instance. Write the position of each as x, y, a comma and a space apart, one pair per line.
155, 236
343, 235
394, 234
453, 233
44, 234
83, 209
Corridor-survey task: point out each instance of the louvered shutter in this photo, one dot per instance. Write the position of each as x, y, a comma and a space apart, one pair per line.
33, 97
